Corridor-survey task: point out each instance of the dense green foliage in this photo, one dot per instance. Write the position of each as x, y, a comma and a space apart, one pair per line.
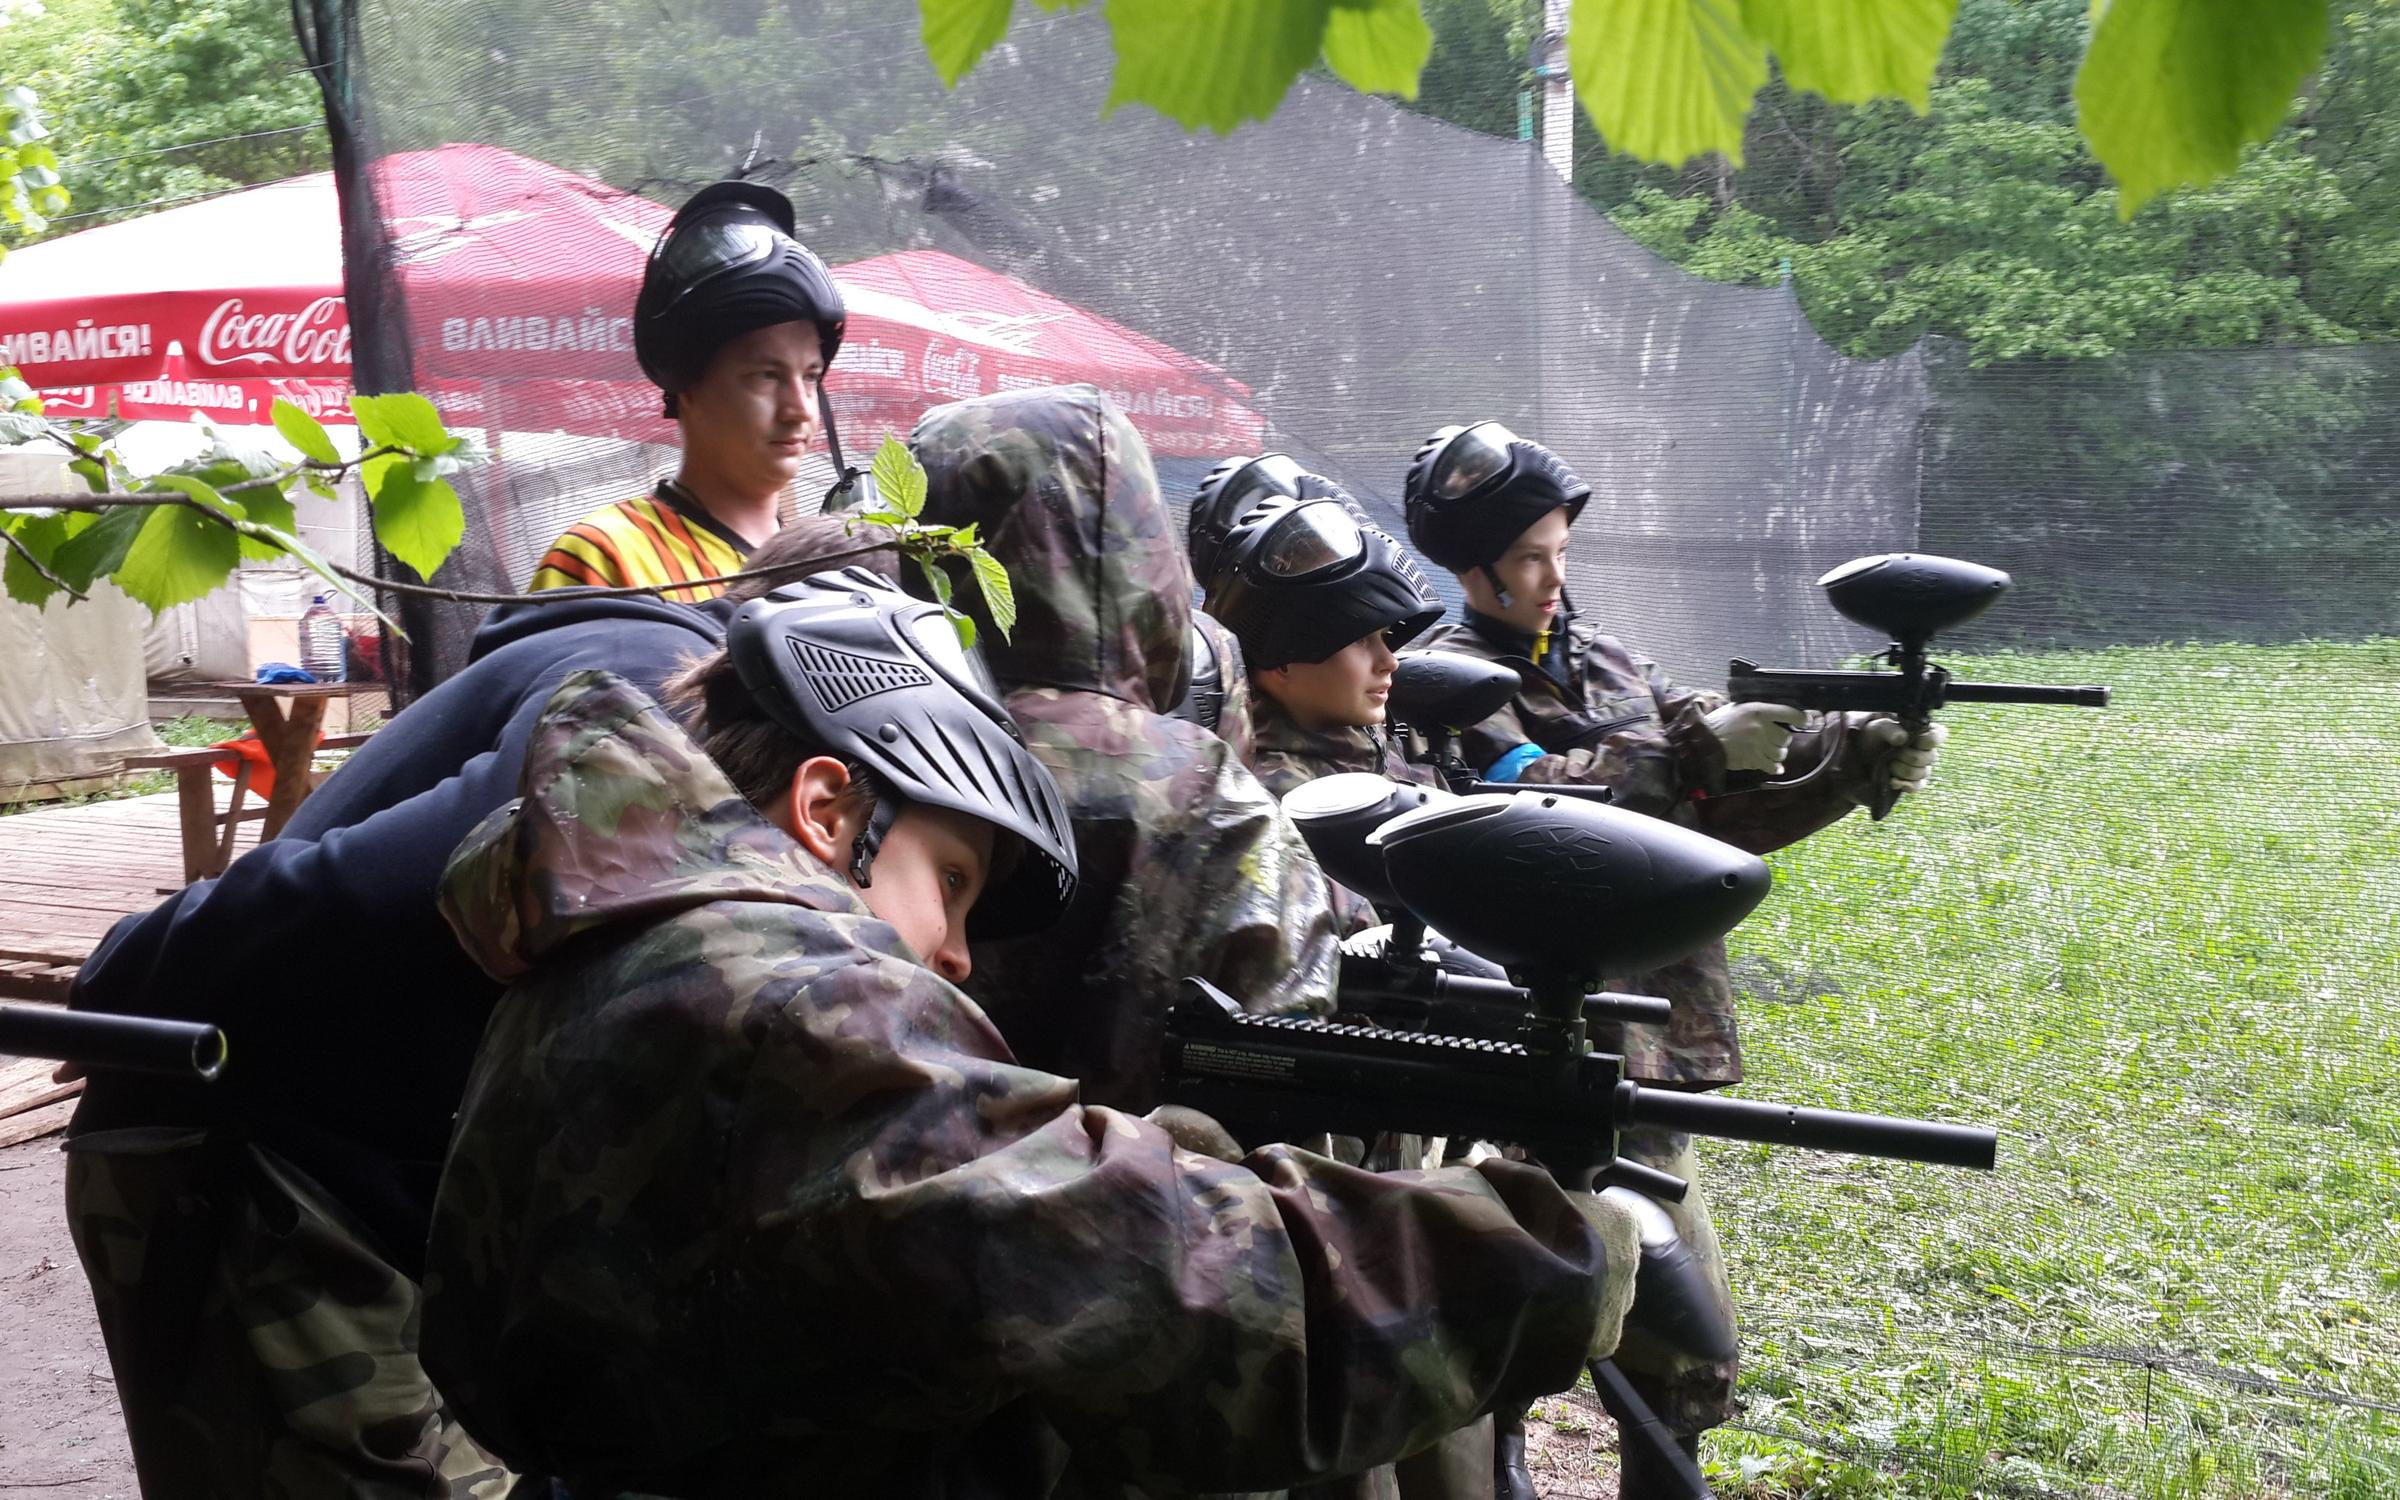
132, 86
1988, 219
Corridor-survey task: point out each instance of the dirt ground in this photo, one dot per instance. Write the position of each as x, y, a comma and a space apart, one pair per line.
60, 1437
59, 1433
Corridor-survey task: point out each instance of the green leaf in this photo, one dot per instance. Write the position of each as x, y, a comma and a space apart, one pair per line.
42, 536
1212, 62
1855, 50
418, 522
179, 555
899, 478
97, 550
403, 419
965, 626
2170, 91
271, 509
999, 596
305, 433
959, 32
15, 394
92, 472
1665, 80
1378, 46
17, 428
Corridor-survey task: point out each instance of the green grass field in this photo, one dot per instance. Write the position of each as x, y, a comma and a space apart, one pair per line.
2155, 946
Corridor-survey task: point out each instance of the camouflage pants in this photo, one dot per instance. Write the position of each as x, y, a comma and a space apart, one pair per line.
262, 1350
1689, 1393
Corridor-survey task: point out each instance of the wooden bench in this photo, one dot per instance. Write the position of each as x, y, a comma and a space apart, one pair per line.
207, 833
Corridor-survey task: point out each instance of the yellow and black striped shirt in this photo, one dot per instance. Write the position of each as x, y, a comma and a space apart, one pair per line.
661, 538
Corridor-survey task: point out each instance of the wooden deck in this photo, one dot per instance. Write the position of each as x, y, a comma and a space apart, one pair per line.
68, 873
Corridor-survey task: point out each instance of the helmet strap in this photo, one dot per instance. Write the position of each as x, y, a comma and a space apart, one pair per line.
870, 839
1499, 589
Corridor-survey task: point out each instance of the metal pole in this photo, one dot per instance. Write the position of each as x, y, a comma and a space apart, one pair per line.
1558, 93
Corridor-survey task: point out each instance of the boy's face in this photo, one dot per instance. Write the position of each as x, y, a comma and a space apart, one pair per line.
750, 419
1533, 570
1346, 689
927, 877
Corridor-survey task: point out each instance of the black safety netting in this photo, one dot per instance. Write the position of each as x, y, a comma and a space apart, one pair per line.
2153, 944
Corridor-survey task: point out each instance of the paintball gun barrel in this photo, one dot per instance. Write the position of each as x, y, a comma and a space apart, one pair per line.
1908, 597
97, 1042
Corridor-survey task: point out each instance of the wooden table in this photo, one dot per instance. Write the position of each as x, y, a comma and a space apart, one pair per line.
288, 717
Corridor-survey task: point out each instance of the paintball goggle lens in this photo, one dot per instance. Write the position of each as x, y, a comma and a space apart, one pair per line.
697, 254
1472, 457
1312, 539
1267, 474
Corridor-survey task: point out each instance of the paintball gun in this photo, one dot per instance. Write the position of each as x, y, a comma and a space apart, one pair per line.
1908, 597
1410, 983
1559, 891
1438, 694
98, 1042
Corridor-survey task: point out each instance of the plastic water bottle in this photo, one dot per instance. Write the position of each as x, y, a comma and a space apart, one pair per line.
321, 641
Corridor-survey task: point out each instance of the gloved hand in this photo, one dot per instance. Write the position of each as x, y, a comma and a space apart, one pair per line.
1195, 1132
1368, 942
1755, 735
1621, 1234
1912, 764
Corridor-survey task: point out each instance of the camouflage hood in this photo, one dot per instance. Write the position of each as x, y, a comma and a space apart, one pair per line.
1062, 489
623, 819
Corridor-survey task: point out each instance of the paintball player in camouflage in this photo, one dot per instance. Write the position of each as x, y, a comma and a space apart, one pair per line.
1495, 510
745, 1199
1190, 868
1319, 599
253, 1245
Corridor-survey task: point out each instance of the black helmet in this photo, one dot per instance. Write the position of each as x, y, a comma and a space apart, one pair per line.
1234, 488
1473, 490
846, 661
1297, 580
726, 266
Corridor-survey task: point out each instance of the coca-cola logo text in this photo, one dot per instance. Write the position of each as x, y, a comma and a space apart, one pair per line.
318, 334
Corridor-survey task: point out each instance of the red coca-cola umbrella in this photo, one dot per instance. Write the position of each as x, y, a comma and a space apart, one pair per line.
519, 280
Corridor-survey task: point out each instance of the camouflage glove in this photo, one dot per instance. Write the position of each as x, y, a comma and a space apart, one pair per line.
1910, 758
1754, 735
1621, 1235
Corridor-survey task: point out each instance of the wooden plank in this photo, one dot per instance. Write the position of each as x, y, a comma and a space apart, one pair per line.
49, 1094
36, 1124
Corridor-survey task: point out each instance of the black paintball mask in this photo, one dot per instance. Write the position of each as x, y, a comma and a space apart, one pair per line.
729, 264
1471, 492
847, 662
1298, 580
1233, 489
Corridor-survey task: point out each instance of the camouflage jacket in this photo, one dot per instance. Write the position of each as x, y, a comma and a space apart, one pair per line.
1290, 756
1189, 867
1601, 715
744, 1201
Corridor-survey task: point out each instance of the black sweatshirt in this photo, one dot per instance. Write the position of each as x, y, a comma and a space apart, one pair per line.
350, 1013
